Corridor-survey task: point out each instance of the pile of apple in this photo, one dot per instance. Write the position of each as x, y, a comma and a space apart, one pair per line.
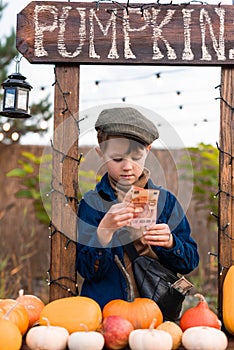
78, 323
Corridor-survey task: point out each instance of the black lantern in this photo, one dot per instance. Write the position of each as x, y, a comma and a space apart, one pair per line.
16, 97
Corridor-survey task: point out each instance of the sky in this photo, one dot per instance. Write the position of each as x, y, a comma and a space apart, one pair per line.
183, 101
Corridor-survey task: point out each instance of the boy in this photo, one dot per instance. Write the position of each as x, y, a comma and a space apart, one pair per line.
125, 137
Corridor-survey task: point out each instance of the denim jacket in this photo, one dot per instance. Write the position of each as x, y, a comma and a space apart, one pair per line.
103, 281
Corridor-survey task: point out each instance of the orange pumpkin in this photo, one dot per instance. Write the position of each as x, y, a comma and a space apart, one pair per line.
199, 315
33, 305
11, 338
72, 313
15, 312
139, 311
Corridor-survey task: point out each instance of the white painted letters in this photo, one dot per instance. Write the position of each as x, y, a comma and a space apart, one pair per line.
218, 47
40, 28
62, 27
113, 54
187, 53
127, 29
157, 34
123, 34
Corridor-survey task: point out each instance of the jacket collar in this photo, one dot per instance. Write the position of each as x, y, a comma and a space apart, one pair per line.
105, 190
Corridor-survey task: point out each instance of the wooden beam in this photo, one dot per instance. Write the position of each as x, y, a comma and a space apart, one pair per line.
226, 178
64, 182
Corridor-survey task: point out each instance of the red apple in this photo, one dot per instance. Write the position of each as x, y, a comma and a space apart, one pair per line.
116, 330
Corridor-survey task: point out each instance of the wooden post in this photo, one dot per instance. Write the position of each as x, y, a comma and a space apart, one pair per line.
226, 178
64, 182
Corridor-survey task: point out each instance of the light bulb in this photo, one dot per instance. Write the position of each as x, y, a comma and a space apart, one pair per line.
6, 126
15, 136
43, 124
1, 136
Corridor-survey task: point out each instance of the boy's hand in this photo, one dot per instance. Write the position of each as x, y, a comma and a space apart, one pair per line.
119, 215
159, 235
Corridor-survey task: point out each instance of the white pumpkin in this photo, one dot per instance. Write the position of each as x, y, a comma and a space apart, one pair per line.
47, 337
150, 339
204, 338
86, 340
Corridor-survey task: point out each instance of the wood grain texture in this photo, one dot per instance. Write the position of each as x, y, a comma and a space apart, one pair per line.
153, 34
226, 177
64, 181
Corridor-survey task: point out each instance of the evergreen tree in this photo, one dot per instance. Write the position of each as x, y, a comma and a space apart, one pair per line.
12, 129
7, 48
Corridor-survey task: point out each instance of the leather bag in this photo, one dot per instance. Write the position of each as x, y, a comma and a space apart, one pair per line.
155, 281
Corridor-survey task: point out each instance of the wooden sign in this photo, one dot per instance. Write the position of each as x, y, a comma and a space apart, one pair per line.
115, 33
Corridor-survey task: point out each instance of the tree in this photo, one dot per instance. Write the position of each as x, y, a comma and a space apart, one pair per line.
7, 48
12, 129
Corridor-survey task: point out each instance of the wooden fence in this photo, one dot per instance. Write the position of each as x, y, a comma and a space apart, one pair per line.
25, 241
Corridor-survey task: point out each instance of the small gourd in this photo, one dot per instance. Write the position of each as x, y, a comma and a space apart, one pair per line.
149, 339
228, 304
86, 340
174, 330
204, 338
199, 315
47, 337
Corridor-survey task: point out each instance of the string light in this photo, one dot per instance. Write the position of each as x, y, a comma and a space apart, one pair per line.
43, 124
56, 281
223, 229
223, 100
130, 96
64, 156
6, 126
15, 136
67, 198
124, 98
99, 82
139, 77
64, 95
221, 191
228, 154
222, 267
214, 215
53, 230
126, 8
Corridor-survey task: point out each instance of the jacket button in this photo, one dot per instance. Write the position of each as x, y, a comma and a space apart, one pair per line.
178, 251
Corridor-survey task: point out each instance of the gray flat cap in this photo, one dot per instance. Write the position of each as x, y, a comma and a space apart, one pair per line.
127, 122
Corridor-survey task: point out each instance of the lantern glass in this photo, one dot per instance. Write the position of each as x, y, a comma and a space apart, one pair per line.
9, 101
22, 99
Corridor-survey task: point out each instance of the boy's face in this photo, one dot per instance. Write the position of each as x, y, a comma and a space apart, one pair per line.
124, 165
